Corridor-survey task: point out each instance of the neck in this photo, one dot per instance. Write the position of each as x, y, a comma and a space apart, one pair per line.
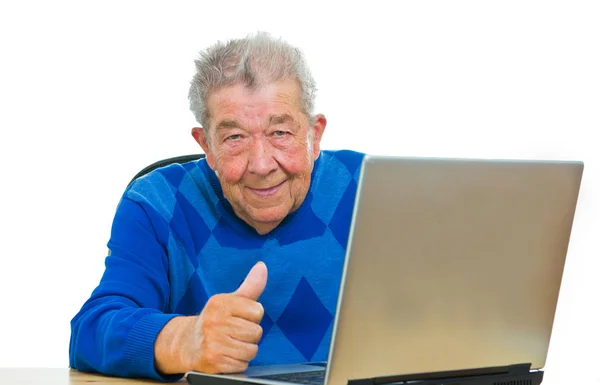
261, 228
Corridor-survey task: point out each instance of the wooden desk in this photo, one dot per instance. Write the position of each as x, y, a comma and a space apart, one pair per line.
43, 376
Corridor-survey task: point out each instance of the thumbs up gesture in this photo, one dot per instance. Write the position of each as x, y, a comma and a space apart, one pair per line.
223, 338
254, 284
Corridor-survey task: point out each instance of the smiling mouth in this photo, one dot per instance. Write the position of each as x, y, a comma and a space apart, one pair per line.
266, 192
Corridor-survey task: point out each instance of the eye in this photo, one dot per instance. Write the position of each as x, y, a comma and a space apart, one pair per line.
279, 133
234, 137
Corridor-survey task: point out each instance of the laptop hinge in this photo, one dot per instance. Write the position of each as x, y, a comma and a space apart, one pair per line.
455, 375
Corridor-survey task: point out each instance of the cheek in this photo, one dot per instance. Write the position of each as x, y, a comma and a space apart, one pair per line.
231, 169
296, 163
296, 159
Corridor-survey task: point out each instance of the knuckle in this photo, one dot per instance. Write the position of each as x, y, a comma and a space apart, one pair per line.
216, 302
206, 329
260, 310
209, 321
210, 358
252, 351
212, 318
223, 368
211, 352
258, 332
241, 366
205, 367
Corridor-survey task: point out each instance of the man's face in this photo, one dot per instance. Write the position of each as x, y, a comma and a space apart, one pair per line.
262, 148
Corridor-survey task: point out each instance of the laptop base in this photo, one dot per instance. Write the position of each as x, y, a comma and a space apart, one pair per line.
507, 375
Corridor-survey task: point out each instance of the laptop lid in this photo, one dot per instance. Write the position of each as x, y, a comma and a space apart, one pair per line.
452, 264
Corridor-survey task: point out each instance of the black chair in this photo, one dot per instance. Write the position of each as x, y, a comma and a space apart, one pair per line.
162, 163
166, 162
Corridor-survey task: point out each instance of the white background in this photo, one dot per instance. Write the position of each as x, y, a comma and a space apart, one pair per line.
91, 92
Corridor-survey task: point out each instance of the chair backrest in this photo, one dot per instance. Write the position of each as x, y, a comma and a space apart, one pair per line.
162, 163
166, 162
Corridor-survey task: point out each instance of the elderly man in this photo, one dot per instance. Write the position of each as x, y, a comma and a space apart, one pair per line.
185, 286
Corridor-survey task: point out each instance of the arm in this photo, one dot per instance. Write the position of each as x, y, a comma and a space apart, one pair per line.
122, 329
115, 330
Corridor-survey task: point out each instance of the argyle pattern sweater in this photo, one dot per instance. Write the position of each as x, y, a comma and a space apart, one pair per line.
176, 241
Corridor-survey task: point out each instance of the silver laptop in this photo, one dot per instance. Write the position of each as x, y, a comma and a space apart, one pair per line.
452, 272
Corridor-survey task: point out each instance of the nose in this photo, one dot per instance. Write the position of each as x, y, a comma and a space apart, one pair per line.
261, 159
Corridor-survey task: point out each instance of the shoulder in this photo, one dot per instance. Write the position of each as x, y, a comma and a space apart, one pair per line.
333, 190
166, 179
341, 161
162, 188
335, 172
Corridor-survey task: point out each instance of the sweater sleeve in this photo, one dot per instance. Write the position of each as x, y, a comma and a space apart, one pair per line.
115, 330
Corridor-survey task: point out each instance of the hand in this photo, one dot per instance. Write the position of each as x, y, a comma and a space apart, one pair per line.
223, 338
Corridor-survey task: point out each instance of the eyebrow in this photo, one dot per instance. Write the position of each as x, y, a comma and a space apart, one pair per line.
279, 119
274, 119
227, 124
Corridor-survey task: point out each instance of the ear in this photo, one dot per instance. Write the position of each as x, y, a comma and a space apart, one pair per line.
318, 129
200, 137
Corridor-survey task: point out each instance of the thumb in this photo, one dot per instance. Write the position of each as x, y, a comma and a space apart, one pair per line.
255, 282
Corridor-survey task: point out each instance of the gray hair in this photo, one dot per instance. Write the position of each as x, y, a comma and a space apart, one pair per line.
255, 60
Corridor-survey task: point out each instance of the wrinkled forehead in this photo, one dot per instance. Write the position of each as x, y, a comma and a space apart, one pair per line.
241, 102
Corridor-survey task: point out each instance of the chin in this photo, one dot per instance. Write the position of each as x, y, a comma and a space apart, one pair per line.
270, 216
268, 219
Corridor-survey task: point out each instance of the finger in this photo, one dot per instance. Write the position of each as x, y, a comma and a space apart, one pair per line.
225, 352
247, 310
255, 282
220, 306
231, 365
222, 364
244, 330
239, 350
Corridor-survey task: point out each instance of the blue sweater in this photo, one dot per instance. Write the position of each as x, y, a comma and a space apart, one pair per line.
176, 241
